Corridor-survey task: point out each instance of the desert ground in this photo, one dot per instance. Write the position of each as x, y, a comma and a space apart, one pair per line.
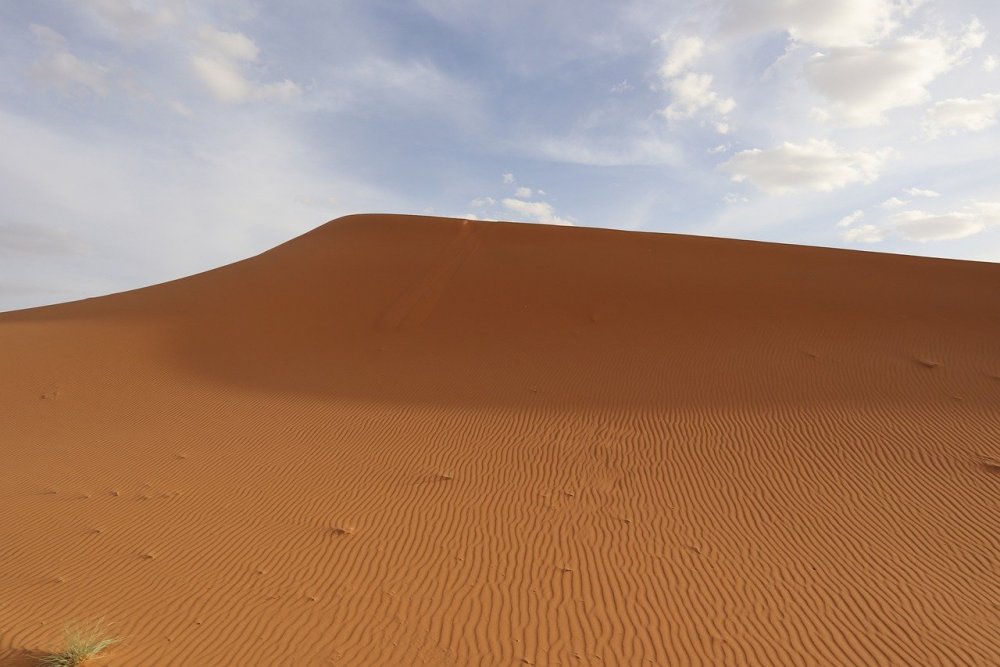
400, 440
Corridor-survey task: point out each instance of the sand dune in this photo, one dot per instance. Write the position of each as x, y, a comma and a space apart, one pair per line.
405, 441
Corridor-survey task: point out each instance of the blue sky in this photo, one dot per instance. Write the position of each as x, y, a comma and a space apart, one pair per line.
145, 141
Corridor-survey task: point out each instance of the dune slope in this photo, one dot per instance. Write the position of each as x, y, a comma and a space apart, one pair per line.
401, 440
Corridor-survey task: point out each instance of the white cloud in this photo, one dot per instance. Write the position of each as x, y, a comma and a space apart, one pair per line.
862, 83
734, 198
683, 54
917, 192
813, 165
893, 202
863, 234
823, 23
851, 218
715, 150
962, 115
923, 227
223, 79
527, 211
535, 211
990, 63
622, 87
692, 93
60, 69
974, 35
133, 22
219, 64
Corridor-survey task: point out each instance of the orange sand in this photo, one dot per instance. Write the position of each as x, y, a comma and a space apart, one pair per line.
406, 441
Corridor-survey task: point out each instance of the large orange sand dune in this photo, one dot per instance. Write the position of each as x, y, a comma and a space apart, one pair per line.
406, 441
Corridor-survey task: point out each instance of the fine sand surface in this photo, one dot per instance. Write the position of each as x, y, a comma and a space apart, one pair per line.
407, 441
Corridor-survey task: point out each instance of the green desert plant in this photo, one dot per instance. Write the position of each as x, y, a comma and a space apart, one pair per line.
83, 643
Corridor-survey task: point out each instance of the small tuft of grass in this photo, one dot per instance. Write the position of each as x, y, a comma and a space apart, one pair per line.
83, 643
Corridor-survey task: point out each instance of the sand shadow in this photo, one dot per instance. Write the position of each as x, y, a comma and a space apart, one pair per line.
19, 657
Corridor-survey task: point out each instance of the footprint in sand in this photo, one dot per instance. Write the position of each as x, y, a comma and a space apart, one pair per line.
49, 394
990, 464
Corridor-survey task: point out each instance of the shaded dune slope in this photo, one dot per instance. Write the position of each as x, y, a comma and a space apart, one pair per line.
399, 440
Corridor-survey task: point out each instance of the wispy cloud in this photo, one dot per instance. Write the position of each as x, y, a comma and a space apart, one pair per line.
823, 24
57, 67
23, 239
534, 211
920, 225
517, 207
813, 165
959, 114
641, 149
918, 192
924, 227
130, 22
220, 61
691, 93
863, 83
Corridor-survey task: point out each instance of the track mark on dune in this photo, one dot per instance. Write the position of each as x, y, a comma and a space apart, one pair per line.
418, 303
989, 464
51, 393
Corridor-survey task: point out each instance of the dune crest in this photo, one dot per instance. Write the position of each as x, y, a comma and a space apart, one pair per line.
400, 440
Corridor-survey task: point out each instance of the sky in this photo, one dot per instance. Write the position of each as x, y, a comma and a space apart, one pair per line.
147, 140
